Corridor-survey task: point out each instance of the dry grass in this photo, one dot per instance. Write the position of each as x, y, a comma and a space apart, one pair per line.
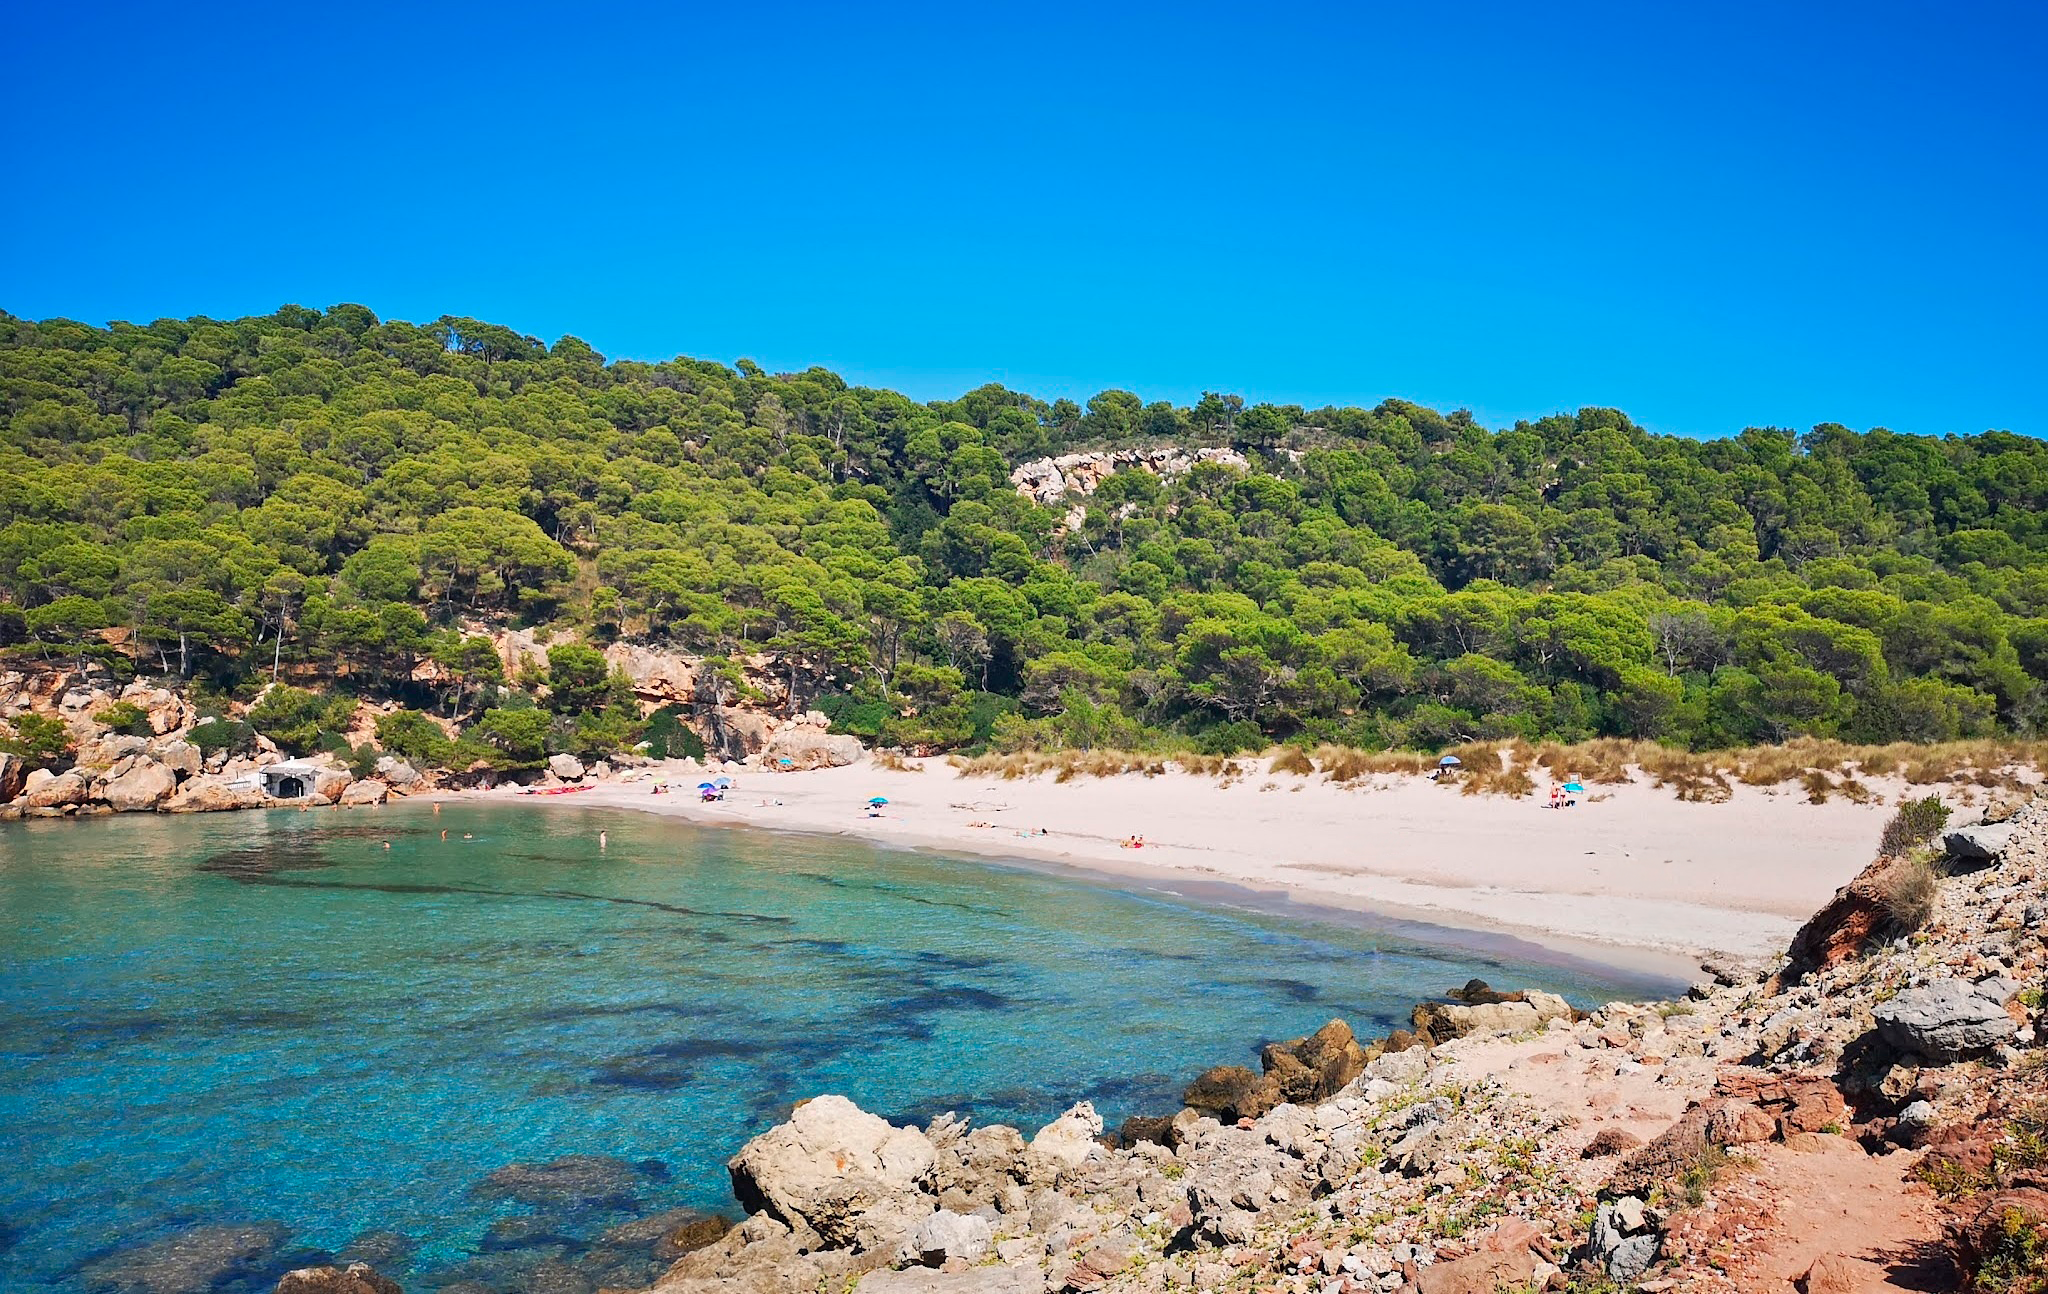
1292, 759
1908, 889
1819, 767
894, 763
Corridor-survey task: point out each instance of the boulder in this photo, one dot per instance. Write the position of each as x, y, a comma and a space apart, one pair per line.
167, 711
60, 791
1443, 1021
1836, 1274
178, 755
2009, 1220
1984, 843
1232, 1092
1313, 1069
1505, 1258
807, 747
567, 767
368, 791
1071, 1137
947, 1235
1845, 924
397, 773
1718, 1122
13, 772
138, 788
212, 793
1949, 1019
108, 750
837, 1171
356, 1278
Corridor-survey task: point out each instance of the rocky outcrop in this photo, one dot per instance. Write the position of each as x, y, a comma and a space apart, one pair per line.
368, 791
136, 784
1051, 481
203, 1258
13, 772
837, 1174
1840, 930
212, 793
356, 1278
397, 773
1949, 1019
1443, 1021
566, 767
947, 1235
54, 791
807, 747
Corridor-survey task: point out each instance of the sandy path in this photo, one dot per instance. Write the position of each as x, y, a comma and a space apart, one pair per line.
1636, 869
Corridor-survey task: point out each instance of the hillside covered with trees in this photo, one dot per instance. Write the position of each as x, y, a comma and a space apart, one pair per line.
343, 498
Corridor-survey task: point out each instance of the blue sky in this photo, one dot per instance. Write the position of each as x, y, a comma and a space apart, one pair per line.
1710, 216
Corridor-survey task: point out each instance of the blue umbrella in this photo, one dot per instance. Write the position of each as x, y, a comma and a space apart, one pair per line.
877, 800
1573, 787
707, 786
722, 783
1449, 761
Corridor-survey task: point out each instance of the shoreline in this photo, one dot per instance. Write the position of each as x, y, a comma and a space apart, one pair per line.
1732, 879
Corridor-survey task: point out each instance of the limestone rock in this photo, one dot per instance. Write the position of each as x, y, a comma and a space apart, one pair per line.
107, 750
567, 767
1071, 1137
1984, 843
1000, 1279
573, 1181
178, 755
368, 791
212, 793
836, 1170
808, 747
356, 1278
1443, 1021
1950, 1019
61, 791
13, 772
947, 1235
396, 773
141, 786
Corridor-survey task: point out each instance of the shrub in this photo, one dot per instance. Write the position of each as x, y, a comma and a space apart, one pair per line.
230, 735
1915, 823
42, 742
1230, 738
668, 737
125, 717
1908, 889
416, 738
508, 741
294, 718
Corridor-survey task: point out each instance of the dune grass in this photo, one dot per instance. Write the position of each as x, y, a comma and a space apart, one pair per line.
1821, 768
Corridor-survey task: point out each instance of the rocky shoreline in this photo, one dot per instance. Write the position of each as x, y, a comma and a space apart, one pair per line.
1505, 1142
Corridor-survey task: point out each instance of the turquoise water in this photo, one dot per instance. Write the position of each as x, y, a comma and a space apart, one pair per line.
272, 1019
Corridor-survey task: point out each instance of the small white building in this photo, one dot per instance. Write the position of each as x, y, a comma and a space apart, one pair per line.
293, 779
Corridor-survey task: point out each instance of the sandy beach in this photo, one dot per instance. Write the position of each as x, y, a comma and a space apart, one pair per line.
1631, 876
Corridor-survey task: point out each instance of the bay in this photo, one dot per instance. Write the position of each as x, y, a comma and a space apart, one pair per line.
273, 1019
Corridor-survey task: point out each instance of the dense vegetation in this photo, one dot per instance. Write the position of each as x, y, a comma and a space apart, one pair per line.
345, 498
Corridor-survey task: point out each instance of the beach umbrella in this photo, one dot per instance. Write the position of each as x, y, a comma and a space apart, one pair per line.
707, 786
1449, 761
1574, 788
877, 800
722, 783
786, 762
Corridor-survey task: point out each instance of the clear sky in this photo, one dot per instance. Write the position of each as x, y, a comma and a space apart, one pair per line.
1712, 216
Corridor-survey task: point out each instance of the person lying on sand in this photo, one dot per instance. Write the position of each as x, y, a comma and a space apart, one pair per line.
1135, 842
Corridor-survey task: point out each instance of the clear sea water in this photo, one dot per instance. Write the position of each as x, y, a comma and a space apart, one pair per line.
271, 1019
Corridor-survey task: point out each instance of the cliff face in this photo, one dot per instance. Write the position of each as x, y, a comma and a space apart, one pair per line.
1761, 1133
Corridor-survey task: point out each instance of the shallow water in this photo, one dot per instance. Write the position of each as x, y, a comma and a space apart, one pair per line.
272, 1019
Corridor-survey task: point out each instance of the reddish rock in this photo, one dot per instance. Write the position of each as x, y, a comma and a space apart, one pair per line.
2000, 1221
1841, 930
356, 1278
1611, 1141
1834, 1274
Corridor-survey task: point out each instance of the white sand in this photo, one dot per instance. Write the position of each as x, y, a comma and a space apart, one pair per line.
1635, 870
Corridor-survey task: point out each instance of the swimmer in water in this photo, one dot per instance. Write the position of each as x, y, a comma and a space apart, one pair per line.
444, 833
603, 840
